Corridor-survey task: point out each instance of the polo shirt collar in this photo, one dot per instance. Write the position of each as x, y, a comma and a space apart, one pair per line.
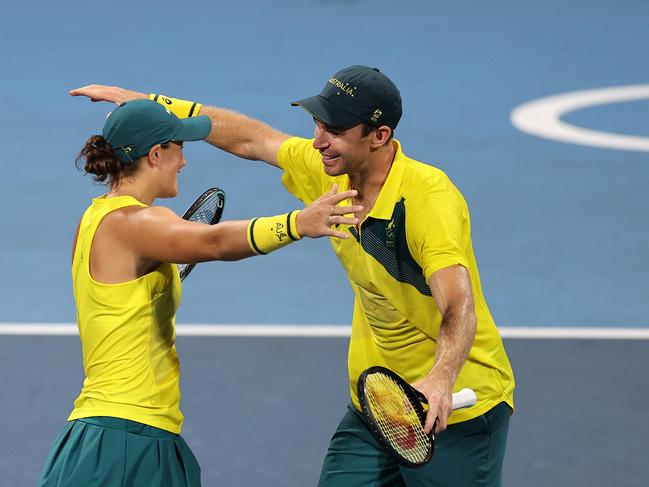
384, 205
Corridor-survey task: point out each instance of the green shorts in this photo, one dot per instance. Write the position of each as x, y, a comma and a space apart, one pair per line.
466, 454
115, 452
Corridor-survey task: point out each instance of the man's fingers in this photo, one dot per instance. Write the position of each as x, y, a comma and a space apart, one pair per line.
329, 195
345, 210
83, 90
342, 220
338, 234
113, 94
87, 91
437, 421
431, 421
338, 197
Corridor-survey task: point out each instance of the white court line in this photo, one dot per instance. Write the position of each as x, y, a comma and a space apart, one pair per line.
67, 329
542, 117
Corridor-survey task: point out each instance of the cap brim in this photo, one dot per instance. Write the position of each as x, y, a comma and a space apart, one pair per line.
328, 113
194, 128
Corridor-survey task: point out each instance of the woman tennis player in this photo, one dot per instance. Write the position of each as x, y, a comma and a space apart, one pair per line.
125, 427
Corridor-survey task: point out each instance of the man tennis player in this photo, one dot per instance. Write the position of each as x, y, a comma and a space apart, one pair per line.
419, 308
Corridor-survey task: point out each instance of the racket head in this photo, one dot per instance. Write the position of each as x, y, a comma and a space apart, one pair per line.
207, 209
396, 416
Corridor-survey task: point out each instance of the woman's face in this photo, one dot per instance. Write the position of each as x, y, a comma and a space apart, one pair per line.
171, 161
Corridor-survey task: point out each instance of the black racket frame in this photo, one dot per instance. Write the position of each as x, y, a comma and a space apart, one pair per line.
414, 396
215, 219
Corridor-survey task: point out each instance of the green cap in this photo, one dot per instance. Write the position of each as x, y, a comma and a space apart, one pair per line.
355, 95
136, 126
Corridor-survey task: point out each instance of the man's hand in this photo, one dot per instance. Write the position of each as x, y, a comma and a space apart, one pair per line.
440, 403
233, 132
316, 220
113, 94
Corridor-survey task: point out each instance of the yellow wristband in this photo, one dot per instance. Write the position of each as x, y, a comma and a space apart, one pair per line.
180, 108
269, 233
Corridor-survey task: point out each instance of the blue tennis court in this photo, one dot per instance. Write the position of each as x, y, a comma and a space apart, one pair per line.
559, 227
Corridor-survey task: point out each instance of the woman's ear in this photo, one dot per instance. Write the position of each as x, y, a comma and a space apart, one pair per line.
153, 157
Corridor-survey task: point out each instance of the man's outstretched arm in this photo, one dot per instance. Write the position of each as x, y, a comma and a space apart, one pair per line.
243, 136
231, 131
451, 289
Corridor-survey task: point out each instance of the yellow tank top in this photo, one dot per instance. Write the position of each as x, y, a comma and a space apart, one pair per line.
127, 335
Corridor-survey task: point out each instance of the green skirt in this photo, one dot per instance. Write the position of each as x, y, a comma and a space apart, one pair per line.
114, 452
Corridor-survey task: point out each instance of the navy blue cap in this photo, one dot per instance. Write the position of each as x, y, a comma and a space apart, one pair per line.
355, 95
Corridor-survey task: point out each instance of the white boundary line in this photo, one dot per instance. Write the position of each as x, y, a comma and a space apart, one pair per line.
542, 117
206, 330
575, 333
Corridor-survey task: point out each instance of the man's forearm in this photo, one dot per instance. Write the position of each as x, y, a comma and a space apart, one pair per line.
456, 336
243, 136
231, 131
451, 288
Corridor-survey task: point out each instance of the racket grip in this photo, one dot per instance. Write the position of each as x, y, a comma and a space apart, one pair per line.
464, 399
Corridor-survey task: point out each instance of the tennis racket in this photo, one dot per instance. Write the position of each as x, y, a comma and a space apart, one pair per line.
396, 415
208, 209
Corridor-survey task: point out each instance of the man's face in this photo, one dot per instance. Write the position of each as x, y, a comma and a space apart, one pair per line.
343, 150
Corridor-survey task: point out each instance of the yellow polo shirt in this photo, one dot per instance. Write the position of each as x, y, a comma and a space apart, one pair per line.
419, 224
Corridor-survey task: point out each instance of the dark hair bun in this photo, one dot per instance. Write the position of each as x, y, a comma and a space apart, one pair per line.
99, 159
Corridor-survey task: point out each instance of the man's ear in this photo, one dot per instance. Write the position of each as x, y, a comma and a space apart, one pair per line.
381, 136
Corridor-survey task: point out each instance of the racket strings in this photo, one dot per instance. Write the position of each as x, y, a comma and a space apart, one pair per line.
397, 418
203, 213
206, 211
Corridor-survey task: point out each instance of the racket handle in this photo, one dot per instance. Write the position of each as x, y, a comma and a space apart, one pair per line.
464, 399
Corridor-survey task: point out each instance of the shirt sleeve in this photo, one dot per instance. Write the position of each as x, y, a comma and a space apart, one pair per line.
303, 175
437, 230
